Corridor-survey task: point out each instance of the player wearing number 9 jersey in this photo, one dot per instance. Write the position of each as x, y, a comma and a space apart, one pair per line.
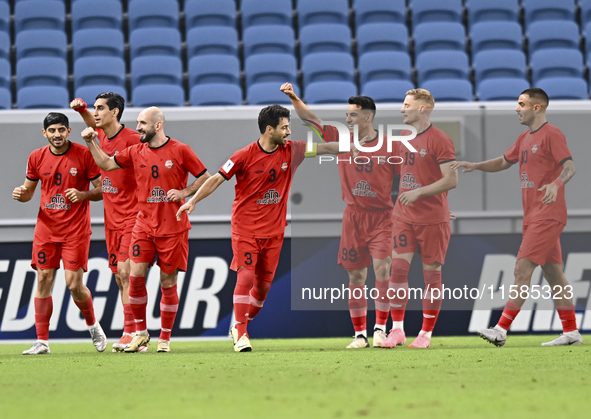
545, 165
162, 166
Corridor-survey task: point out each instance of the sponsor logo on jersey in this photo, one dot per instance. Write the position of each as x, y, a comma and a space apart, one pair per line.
525, 183
73, 171
284, 166
534, 148
409, 182
270, 197
157, 195
168, 164
423, 152
58, 202
108, 186
227, 166
363, 189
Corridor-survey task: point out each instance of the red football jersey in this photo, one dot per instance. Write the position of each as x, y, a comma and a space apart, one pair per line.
419, 169
366, 182
262, 187
540, 155
157, 170
119, 185
59, 218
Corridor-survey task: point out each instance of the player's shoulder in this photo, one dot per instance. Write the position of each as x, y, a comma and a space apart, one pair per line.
78, 148
132, 136
552, 130
437, 133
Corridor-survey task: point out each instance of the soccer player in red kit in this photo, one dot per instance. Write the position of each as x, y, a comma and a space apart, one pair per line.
545, 165
161, 166
118, 186
421, 216
65, 170
263, 170
366, 239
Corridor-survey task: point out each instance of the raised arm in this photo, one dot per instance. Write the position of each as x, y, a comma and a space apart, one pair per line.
101, 158
447, 182
206, 189
568, 171
25, 192
300, 107
175, 195
494, 165
80, 106
96, 194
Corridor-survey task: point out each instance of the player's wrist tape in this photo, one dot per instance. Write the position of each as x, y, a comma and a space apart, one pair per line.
312, 153
83, 108
559, 183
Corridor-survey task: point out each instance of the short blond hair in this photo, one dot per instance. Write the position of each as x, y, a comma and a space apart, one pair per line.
424, 95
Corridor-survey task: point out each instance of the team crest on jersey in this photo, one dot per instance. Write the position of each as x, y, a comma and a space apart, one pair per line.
73, 171
157, 195
284, 166
423, 152
409, 182
363, 189
270, 197
58, 202
534, 148
525, 183
381, 160
168, 164
108, 186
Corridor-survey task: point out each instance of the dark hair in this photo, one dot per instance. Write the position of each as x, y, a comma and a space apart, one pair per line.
271, 115
537, 93
114, 100
53, 118
365, 102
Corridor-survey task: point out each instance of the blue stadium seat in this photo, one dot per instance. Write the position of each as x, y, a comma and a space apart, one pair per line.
41, 71
261, 68
538, 10
379, 11
200, 13
499, 63
387, 91
556, 63
155, 41
39, 14
496, 35
153, 14
216, 95
266, 12
88, 14
265, 39
268, 94
5, 73
382, 37
501, 89
553, 34
214, 69
89, 93
329, 92
329, 66
384, 66
19, 1
587, 36
436, 11
156, 70
486, 11
585, 6
330, 37
564, 88
212, 40
5, 98
42, 97
439, 36
326, 11
158, 95
98, 42
4, 17
41, 43
5, 45
442, 65
450, 90
99, 70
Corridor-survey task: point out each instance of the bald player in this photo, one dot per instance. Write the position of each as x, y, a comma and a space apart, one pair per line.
162, 166
545, 166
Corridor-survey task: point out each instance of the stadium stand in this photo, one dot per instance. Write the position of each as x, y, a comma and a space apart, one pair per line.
496, 35
5, 73
567, 88
439, 36
279, 68
39, 97
323, 12
5, 98
99, 71
200, 13
442, 65
41, 43
378, 11
257, 40
88, 14
4, 18
39, 14
98, 42
439, 11
90, 92
500, 89
331, 37
384, 66
41, 71
556, 63
553, 34
450, 90
163, 70
212, 40
330, 66
214, 69
216, 95
266, 12
153, 14
268, 94
585, 7
384, 91
4, 46
329, 92
155, 41
382, 37
538, 10
498, 10
499, 63
158, 95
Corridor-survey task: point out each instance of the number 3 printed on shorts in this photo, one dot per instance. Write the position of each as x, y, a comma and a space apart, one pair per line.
248, 259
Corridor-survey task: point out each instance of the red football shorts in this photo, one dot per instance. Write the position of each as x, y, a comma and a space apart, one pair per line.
364, 234
262, 255
74, 253
172, 252
541, 242
431, 241
118, 243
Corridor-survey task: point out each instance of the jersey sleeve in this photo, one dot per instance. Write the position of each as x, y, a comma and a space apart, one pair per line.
557, 148
233, 165
298, 153
92, 170
192, 163
444, 150
32, 173
331, 134
123, 158
512, 154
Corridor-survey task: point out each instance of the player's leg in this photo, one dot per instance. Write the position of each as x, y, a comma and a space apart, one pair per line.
268, 259
357, 299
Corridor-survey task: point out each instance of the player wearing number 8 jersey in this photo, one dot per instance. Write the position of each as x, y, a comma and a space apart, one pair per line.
162, 166
545, 165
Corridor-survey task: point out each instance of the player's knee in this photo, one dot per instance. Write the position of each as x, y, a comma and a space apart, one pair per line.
357, 278
44, 277
400, 266
245, 276
123, 275
76, 287
382, 271
522, 275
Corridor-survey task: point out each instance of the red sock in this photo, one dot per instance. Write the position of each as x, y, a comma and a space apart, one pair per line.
567, 317
509, 313
358, 308
382, 303
87, 310
399, 289
242, 299
129, 324
169, 305
43, 311
258, 295
138, 300
431, 306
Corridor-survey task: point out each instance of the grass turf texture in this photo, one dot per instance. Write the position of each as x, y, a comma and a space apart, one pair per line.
300, 378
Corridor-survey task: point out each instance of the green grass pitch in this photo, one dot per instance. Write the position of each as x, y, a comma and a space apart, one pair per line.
459, 377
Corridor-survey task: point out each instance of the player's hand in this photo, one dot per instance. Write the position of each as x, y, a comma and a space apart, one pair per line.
468, 167
452, 216
18, 192
174, 195
77, 104
551, 193
89, 134
407, 198
74, 195
354, 149
287, 88
189, 207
